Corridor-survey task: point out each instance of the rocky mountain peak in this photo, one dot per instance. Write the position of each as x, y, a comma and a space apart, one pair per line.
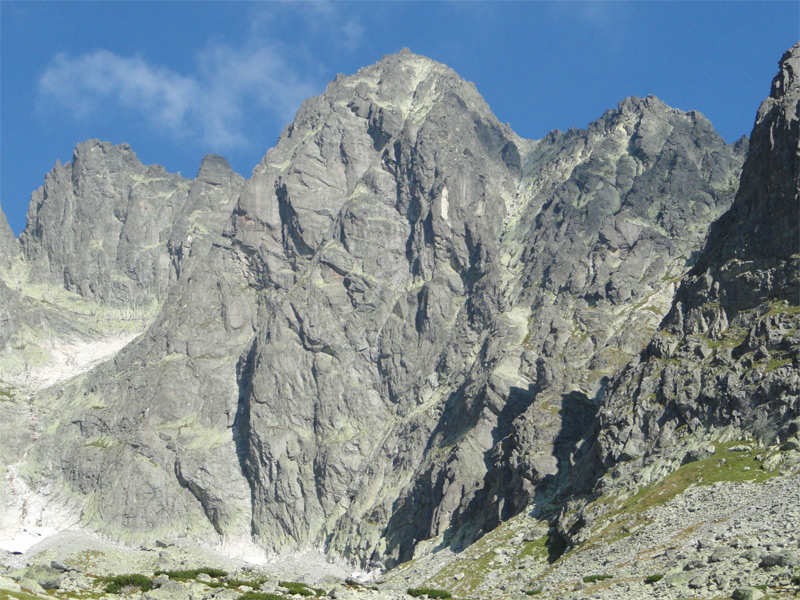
6, 234
764, 221
397, 75
99, 224
784, 85
402, 87
213, 164
103, 155
215, 184
726, 354
405, 121
410, 325
635, 104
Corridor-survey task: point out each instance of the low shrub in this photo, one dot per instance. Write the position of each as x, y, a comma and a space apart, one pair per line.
429, 592
186, 574
116, 583
260, 596
654, 578
212, 572
232, 584
595, 578
295, 587
533, 592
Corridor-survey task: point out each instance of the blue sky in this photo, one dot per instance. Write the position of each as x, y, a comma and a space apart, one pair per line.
177, 80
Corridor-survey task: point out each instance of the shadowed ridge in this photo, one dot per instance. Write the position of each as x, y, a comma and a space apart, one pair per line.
727, 353
8, 244
764, 221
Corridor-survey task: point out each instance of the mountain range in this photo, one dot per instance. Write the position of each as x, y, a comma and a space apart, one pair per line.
407, 329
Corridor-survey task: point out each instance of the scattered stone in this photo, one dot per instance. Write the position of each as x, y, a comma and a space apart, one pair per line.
779, 559
59, 567
720, 554
694, 564
747, 593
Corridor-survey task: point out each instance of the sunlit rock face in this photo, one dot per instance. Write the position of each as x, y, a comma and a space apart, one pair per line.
407, 326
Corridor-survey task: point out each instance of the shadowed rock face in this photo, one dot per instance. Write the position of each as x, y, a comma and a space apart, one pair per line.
8, 254
725, 357
400, 329
7, 241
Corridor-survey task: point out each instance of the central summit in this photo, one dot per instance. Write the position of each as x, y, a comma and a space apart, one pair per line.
393, 337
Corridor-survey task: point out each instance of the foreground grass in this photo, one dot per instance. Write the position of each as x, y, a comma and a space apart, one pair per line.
724, 465
187, 574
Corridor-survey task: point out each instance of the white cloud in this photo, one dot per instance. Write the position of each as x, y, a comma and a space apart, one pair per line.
320, 18
209, 104
352, 32
79, 83
218, 99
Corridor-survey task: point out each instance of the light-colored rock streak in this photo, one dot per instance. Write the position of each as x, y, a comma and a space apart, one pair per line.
70, 358
28, 516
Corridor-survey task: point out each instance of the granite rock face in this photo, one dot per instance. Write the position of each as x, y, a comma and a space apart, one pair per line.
435, 296
723, 363
8, 244
8, 253
408, 326
99, 225
727, 352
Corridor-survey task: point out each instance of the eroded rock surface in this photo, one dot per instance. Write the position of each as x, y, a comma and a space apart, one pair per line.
408, 326
727, 352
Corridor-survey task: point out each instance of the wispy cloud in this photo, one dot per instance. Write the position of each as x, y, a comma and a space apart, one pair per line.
324, 18
597, 13
81, 83
215, 97
352, 32
605, 21
207, 104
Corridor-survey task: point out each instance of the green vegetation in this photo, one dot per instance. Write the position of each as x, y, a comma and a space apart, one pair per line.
19, 595
232, 584
116, 583
535, 592
260, 596
596, 578
429, 592
499, 549
730, 340
102, 441
776, 363
187, 574
295, 587
723, 465
654, 578
783, 307
544, 548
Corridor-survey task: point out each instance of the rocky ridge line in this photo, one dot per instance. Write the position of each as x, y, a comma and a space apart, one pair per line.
393, 337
